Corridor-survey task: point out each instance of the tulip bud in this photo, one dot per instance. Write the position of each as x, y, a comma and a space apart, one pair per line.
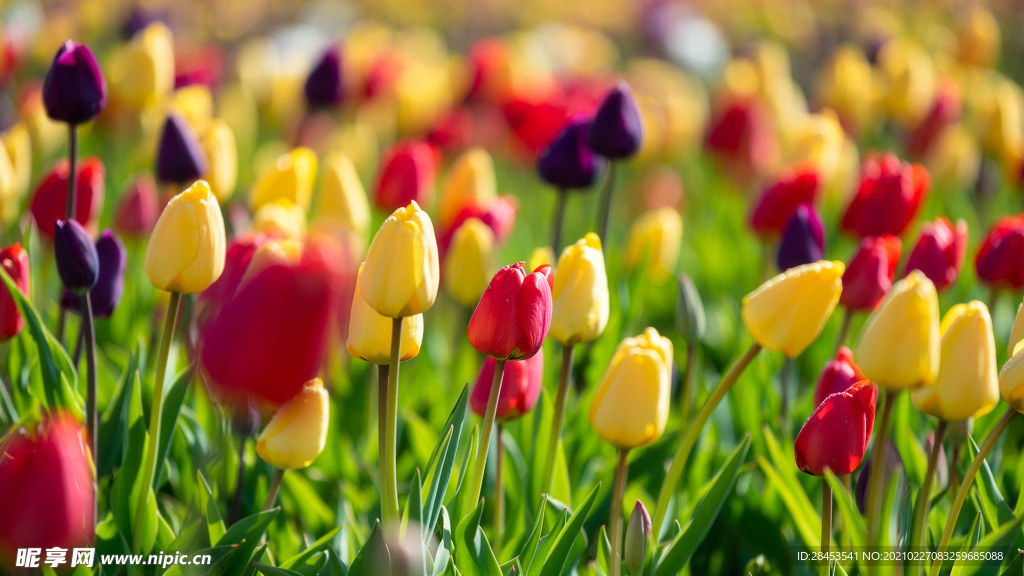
290, 178
14, 261
499, 215
520, 387
282, 217
966, 385
219, 145
803, 240
616, 131
106, 294
899, 345
580, 293
788, 312
939, 252
909, 76
469, 262
631, 405
654, 240
836, 435
49, 202
870, 273
342, 197
839, 374
513, 315
75, 90
740, 134
369, 333
142, 72
844, 81
180, 156
540, 256
10, 199
407, 174
138, 208
1000, 259
324, 87
47, 481
888, 197
470, 181
945, 111
690, 319
1016, 332
780, 201
977, 37
638, 535
568, 163
401, 272
77, 261
1011, 380
297, 433
186, 250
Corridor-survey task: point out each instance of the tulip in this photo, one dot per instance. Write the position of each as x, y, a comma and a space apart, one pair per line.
142, 71
839, 374
540, 256
138, 208
470, 181
836, 435
186, 250
77, 261
407, 174
780, 201
180, 157
999, 116
788, 312
194, 104
290, 178
889, 195
1000, 259
520, 387
939, 252
909, 76
106, 294
10, 199
219, 145
739, 133
568, 163
297, 433
978, 37
15, 170
945, 111
803, 240
324, 86
469, 262
690, 318
49, 490
49, 202
369, 333
616, 131
654, 241
282, 217
74, 91
499, 215
401, 271
816, 143
580, 293
966, 385
870, 273
638, 536
342, 197
14, 261
842, 87
513, 315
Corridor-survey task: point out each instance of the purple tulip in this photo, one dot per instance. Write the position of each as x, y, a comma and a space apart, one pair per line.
803, 239
78, 263
568, 162
75, 90
324, 87
617, 131
180, 157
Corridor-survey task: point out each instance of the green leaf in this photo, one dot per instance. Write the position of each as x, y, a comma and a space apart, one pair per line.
997, 511
114, 421
460, 504
533, 542
604, 553
996, 539
792, 497
169, 419
247, 534
442, 558
473, 554
272, 571
559, 554
680, 552
974, 535
124, 496
439, 469
853, 521
315, 548
210, 510
413, 507
373, 558
1016, 568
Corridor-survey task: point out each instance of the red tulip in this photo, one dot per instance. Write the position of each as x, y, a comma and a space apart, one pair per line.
49, 203
236, 262
836, 435
839, 374
489, 70
14, 261
47, 485
514, 313
138, 208
499, 215
888, 197
945, 110
406, 174
740, 135
520, 387
870, 273
1000, 260
779, 201
939, 252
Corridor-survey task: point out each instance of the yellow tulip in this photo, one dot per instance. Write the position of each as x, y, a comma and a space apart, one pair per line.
655, 237
282, 217
10, 200
955, 157
978, 38
846, 85
342, 197
291, 178
1011, 381
297, 433
540, 256
899, 346
469, 263
18, 144
219, 143
141, 73
369, 333
966, 385
187, 248
285, 252
909, 78
580, 293
787, 313
470, 182
194, 102
401, 274
817, 142
1017, 332
1000, 116
630, 407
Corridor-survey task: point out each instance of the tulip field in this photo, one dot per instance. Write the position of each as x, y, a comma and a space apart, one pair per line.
595, 288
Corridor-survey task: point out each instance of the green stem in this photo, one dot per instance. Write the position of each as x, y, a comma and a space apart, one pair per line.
924, 496
557, 418
686, 390
92, 422
965, 485
675, 471
615, 517
499, 491
382, 433
878, 454
844, 329
485, 432
556, 226
826, 525
275, 487
70, 205
236, 501
786, 380
606, 202
391, 430
149, 468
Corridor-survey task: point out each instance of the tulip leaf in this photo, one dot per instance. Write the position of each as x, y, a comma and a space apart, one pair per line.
314, 549
533, 541
1016, 567
127, 482
413, 507
272, 571
373, 558
785, 464
559, 555
604, 553
473, 554
682, 549
245, 535
114, 421
997, 511
460, 504
210, 511
438, 472
1000, 538
442, 558
548, 541
512, 568
853, 521
169, 420
973, 537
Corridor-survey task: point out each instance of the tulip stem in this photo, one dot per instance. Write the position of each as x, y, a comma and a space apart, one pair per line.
686, 391
382, 432
92, 422
615, 516
275, 487
878, 466
786, 382
391, 430
485, 432
499, 490
844, 329
606, 202
149, 468
675, 471
965, 486
924, 495
558, 417
556, 227
71, 207
236, 502
826, 525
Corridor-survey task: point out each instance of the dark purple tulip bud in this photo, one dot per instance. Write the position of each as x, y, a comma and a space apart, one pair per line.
803, 239
180, 157
617, 131
77, 261
568, 162
323, 86
75, 90
110, 286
